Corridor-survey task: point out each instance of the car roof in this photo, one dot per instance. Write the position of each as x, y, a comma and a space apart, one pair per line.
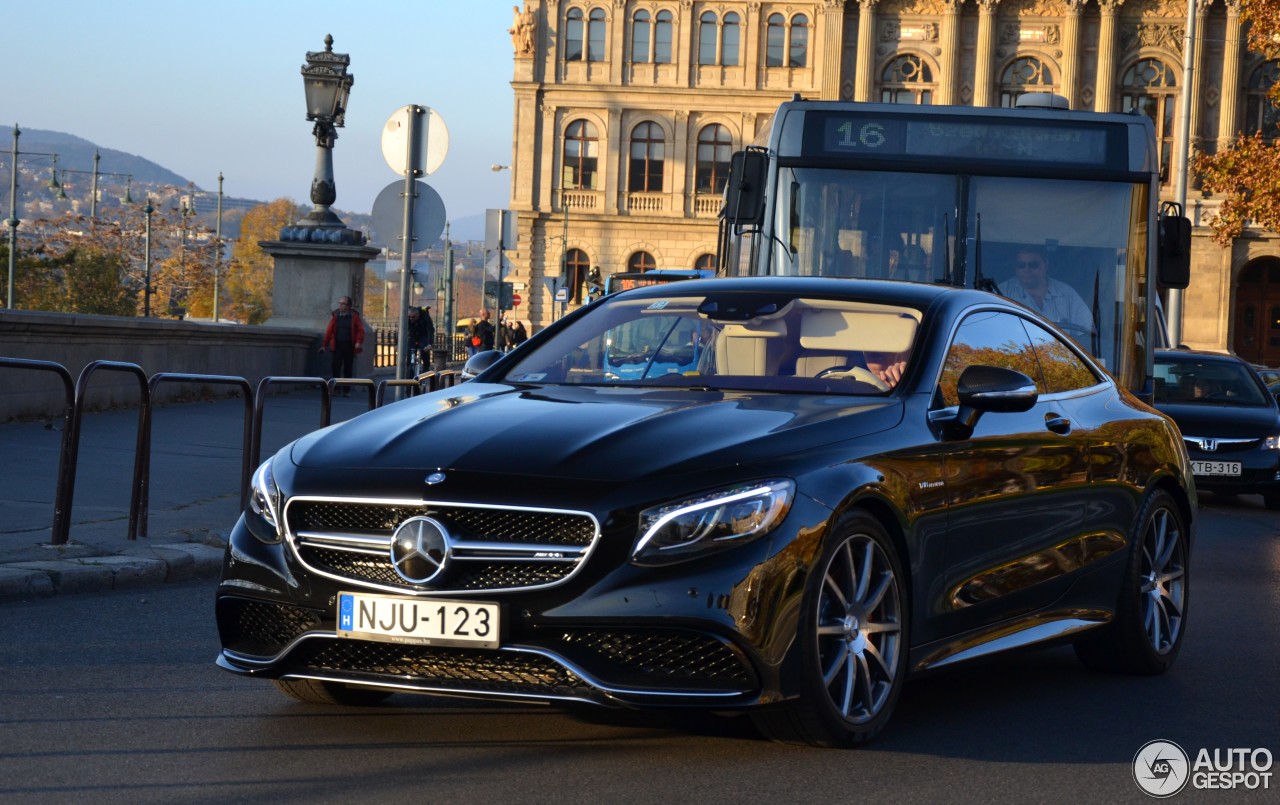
1196, 355
910, 294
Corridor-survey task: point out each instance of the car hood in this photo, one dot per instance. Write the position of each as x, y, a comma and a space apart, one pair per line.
1223, 421
602, 434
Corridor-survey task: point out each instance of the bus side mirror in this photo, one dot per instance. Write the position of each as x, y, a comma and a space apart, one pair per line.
744, 191
1174, 258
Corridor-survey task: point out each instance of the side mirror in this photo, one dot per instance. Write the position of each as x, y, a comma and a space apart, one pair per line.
479, 362
990, 389
1173, 262
744, 190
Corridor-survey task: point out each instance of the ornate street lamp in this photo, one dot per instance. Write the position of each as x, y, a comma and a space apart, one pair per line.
327, 85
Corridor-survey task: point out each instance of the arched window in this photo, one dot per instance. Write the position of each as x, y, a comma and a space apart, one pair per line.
907, 79
799, 48
1260, 114
1026, 74
581, 145
707, 38
730, 34
1150, 86
662, 38
576, 266
715, 148
573, 30
705, 262
641, 261
640, 37
775, 40
647, 153
595, 35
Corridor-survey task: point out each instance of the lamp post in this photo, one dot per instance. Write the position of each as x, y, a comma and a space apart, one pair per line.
327, 85
12, 220
146, 257
217, 255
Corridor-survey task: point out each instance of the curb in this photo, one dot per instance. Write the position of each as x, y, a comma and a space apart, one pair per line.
135, 567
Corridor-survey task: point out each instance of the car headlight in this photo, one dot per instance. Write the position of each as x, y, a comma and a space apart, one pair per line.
1272, 442
264, 498
676, 531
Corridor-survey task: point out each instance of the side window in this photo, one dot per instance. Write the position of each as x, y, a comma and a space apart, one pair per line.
988, 338
1061, 368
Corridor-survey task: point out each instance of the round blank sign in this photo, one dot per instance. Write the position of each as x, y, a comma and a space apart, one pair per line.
428, 216
433, 140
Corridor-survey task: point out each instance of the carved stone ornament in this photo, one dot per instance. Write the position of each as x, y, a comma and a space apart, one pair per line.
898, 31
1164, 35
925, 7
523, 30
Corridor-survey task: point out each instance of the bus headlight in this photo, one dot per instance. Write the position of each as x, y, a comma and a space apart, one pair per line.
683, 529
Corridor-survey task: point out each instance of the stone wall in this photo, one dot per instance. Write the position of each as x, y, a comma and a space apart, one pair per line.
155, 345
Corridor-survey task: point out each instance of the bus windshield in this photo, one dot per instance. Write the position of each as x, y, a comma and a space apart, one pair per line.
1073, 250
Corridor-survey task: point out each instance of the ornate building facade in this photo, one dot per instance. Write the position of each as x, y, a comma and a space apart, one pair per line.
626, 113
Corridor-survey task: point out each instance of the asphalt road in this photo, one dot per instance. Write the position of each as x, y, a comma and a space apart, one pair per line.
114, 697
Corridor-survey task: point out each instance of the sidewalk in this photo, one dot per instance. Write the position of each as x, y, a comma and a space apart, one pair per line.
195, 497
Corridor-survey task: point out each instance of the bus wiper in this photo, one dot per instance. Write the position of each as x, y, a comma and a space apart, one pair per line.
980, 282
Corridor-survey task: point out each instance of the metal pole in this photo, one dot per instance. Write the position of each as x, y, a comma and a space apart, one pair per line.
217, 256
1184, 142
146, 257
93, 193
406, 242
13, 216
448, 323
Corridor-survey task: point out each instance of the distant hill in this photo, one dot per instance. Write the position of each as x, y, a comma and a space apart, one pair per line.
77, 153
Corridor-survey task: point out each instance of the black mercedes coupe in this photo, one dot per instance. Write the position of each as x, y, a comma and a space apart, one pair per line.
780, 495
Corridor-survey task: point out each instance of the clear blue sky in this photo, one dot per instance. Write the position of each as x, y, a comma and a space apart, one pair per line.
206, 87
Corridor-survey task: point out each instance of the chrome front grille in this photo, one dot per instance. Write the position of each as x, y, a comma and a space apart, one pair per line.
492, 548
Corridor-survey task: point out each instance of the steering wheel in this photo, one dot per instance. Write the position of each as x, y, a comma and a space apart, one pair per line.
858, 373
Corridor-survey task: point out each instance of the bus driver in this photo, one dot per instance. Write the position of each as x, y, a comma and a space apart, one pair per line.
1057, 301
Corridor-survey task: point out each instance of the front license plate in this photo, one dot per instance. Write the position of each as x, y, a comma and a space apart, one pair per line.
426, 621
1215, 467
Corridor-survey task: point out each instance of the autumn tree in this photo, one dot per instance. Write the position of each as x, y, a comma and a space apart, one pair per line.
1247, 175
81, 265
250, 277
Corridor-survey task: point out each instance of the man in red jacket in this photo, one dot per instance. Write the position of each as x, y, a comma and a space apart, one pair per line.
344, 337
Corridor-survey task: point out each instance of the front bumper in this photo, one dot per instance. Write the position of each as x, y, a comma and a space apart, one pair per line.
712, 632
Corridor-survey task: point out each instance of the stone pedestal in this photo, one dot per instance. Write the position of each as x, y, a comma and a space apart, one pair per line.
309, 279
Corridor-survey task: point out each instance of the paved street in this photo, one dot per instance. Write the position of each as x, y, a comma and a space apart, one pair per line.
114, 697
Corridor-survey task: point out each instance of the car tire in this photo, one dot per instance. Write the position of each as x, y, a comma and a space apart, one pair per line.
315, 691
1150, 621
853, 639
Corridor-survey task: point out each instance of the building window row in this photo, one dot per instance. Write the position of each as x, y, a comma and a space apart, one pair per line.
719, 38
646, 157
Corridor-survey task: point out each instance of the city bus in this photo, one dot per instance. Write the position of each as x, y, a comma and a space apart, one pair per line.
626, 280
963, 196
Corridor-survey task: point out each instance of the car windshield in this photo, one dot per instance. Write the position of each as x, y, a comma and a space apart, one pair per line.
1206, 382
743, 341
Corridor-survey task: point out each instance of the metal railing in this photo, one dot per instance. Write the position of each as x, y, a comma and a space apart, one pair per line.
251, 446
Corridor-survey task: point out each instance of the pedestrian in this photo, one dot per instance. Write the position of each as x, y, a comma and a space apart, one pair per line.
518, 334
473, 338
484, 329
414, 332
344, 337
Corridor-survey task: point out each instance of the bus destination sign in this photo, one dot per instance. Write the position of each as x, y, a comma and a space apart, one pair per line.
879, 135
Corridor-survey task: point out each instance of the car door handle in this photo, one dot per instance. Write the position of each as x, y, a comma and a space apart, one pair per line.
1057, 423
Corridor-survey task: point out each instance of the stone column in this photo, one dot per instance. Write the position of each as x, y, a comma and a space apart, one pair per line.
1071, 51
1197, 75
949, 42
1228, 113
863, 78
1106, 80
984, 65
832, 17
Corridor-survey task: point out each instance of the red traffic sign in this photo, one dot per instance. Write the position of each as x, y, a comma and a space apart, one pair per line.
516, 300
